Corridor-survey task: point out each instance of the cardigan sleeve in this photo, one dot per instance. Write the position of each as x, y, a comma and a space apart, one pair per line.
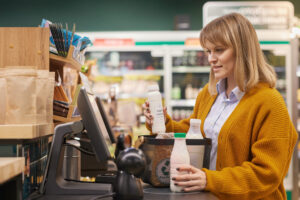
270, 154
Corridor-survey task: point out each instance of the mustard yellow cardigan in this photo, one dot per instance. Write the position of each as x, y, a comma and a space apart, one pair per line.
255, 145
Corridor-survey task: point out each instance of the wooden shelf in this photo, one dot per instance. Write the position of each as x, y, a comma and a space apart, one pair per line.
64, 119
65, 62
25, 131
11, 167
72, 107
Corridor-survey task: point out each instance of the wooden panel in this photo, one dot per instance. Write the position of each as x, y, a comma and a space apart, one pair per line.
26, 131
10, 167
24, 47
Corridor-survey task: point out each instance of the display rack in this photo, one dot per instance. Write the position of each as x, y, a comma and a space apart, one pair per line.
57, 63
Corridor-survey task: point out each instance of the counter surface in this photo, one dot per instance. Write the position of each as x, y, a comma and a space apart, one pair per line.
147, 196
10, 167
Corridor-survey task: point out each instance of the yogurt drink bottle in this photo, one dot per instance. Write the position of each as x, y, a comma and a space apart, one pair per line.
194, 130
196, 151
156, 109
179, 156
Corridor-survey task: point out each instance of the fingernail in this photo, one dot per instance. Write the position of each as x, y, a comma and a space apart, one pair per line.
177, 168
175, 183
182, 190
173, 179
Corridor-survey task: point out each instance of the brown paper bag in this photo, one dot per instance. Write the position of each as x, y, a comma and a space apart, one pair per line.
2, 100
50, 93
42, 94
21, 95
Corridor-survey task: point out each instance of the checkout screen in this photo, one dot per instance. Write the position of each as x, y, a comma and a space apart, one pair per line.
100, 121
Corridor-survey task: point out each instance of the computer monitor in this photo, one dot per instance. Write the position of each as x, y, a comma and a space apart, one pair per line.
94, 124
105, 119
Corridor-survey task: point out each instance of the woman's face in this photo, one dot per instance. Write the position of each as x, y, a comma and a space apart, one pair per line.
221, 60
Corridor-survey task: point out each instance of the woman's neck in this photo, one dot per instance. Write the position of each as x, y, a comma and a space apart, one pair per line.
230, 85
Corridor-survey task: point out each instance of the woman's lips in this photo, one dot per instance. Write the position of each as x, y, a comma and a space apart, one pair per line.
216, 68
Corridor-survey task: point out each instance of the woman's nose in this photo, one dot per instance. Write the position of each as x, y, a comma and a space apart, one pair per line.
212, 58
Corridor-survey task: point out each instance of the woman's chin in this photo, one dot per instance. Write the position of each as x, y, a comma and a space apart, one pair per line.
219, 76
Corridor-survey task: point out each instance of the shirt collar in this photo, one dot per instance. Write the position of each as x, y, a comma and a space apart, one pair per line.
235, 94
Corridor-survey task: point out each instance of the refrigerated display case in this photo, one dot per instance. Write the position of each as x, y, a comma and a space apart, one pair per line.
131, 68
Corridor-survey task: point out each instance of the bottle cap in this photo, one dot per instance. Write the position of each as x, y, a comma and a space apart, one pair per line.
179, 135
153, 87
195, 121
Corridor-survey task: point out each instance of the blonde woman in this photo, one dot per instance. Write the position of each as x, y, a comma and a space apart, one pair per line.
245, 116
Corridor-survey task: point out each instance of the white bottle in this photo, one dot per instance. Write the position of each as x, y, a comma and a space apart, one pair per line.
156, 109
179, 156
196, 151
194, 130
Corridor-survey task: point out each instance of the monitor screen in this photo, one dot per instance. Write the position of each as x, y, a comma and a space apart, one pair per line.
94, 125
105, 120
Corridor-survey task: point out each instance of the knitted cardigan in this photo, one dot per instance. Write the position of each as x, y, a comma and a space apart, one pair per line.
255, 145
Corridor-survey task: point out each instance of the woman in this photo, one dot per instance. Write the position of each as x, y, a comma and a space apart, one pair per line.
245, 116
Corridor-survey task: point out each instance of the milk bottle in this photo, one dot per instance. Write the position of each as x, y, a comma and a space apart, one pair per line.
156, 109
196, 151
179, 156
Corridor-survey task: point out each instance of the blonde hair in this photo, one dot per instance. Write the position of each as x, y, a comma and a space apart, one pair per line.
235, 31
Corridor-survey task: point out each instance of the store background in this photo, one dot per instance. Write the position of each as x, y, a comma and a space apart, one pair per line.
106, 15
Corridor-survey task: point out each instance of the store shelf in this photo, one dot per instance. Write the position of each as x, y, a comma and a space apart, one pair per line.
25, 131
126, 96
145, 72
183, 102
133, 73
191, 69
11, 167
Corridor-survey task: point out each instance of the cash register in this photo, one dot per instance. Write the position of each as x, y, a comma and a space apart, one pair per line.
123, 184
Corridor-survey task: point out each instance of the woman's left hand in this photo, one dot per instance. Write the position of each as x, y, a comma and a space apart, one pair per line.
194, 180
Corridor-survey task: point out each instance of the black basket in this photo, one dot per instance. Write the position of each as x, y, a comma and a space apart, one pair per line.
158, 152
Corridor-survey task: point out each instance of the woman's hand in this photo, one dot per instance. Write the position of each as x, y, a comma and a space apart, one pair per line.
148, 115
194, 180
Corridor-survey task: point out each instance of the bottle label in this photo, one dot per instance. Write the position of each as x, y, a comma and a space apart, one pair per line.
162, 171
158, 117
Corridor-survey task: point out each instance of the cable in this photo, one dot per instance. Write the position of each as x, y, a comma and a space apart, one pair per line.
81, 149
103, 196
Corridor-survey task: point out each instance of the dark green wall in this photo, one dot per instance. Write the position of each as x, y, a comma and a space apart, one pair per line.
105, 15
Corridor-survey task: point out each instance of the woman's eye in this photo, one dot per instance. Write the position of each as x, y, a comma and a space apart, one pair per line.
219, 50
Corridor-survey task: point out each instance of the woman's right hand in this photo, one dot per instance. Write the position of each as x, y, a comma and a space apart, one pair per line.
148, 115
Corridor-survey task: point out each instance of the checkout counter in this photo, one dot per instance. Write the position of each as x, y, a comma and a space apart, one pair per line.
123, 184
147, 196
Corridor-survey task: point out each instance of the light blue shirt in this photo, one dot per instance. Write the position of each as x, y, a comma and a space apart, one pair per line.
218, 114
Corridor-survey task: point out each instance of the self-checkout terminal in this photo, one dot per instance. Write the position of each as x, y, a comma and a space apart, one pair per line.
121, 184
